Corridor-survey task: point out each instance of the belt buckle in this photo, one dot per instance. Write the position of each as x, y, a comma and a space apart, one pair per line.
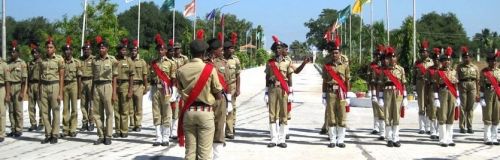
335, 87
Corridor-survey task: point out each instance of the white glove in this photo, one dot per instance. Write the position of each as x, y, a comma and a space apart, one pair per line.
290, 97
228, 96
381, 99
174, 95
405, 102
229, 108
482, 102
348, 101
374, 99
457, 102
436, 100
324, 98
266, 96
369, 94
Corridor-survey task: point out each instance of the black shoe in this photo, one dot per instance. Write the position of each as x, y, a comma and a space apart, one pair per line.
124, 135
18, 134
72, 134
40, 127
434, 137
85, 127
390, 144
270, 145
470, 131
428, 132
53, 140
46, 140
323, 132
397, 144
443, 145
287, 136
32, 128
282, 145
63, 135
230, 137
341, 145
156, 144
11, 134
107, 141
165, 144
421, 132
99, 141
489, 143
137, 129
331, 145
116, 135
451, 144
2, 139
374, 132
496, 143
462, 130
91, 127
381, 138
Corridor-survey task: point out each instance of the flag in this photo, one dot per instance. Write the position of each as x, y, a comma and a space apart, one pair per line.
211, 15
343, 14
190, 9
168, 4
128, 1
358, 6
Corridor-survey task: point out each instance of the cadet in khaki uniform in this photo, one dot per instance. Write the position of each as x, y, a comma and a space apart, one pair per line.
391, 97
139, 87
445, 100
231, 72
124, 82
490, 100
4, 88
198, 119
373, 72
51, 91
71, 81
328, 57
180, 60
430, 110
335, 96
162, 91
468, 76
105, 71
85, 88
33, 80
420, 88
19, 73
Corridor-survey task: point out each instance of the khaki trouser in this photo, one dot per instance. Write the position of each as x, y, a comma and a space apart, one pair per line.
86, 102
335, 108
121, 109
50, 105
392, 106
231, 117
199, 132
161, 108
446, 111
135, 110
277, 105
421, 98
32, 104
69, 105
378, 112
16, 108
103, 109
220, 120
430, 110
2, 111
491, 113
468, 94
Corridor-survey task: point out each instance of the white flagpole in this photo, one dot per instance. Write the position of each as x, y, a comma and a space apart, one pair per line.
360, 33
387, 21
414, 33
350, 36
213, 29
138, 22
4, 34
173, 22
371, 29
194, 22
84, 24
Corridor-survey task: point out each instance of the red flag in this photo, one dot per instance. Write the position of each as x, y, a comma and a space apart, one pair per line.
190, 9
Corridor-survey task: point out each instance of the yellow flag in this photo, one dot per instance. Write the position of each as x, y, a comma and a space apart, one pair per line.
358, 6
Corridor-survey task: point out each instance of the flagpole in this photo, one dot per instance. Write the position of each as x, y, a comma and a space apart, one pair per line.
4, 34
414, 33
213, 29
387, 21
173, 22
194, 22
84, 24
350, 36
371, 29
360, 33
138, 23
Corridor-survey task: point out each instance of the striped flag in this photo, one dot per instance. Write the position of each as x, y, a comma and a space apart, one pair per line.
190, 9
211, 15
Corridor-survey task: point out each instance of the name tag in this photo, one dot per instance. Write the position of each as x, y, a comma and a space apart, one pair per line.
124, 64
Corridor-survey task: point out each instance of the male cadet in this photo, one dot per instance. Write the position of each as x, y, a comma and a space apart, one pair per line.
420, 88
216, 58
200, 88
429, 83
490, 93
18, 74
71, 81
231, 72
51, 91
468, 77
392, 96
124, 82
105, 72
33, 80
139, 87
373, 72
85, 88
179, 60
446, 98
162, 79
335, 86
4, 98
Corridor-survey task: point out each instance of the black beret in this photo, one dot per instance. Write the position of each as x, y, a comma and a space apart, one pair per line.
213, 44
198, 46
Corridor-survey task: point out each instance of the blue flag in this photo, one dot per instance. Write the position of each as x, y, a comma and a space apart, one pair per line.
211, 15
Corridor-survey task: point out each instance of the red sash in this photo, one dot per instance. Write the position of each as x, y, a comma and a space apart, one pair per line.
375, 68
488, 74
457, 113
336, 77
289, 107
195, 92
222, 82
160, 73
432, 72
421, 67
448, 83
394, 80
279, 76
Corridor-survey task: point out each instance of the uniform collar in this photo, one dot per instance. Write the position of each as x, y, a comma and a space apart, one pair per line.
196, 60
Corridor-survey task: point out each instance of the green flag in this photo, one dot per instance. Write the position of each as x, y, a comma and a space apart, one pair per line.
343, 14
168, 4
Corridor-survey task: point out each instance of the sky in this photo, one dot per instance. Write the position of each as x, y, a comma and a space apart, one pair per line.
285, 18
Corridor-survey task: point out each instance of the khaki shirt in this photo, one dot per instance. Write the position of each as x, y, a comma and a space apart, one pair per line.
426, 63
484, 83
181, 60
189, 74
125, 68
18, 70
86, 67
71, 69
283, 65
342, 69
467, 71
449, 72
397, 71
4, 72
33, 71
229, 68
168, 67
140, 68
50, 67
104, 68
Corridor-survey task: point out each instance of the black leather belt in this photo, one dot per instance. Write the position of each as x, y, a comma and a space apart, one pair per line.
49, 82
69, 81
2, 85
388, 84
102, 82
121, 81
12, 83
86, 78
138, 82
33, 81
467, 80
